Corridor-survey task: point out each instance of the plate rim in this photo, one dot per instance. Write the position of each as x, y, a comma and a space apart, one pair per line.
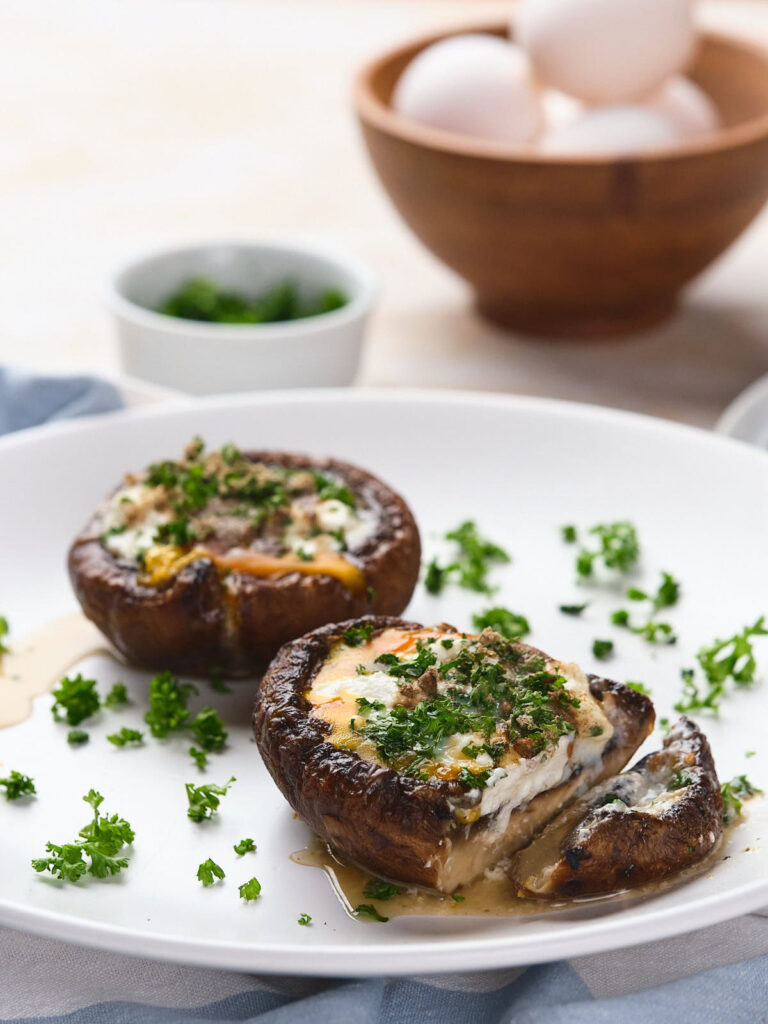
352, 960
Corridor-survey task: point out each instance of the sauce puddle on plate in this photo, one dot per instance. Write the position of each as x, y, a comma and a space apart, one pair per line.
493, 895
36, 662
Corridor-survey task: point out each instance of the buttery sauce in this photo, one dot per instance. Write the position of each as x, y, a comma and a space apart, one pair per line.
36, 662
493, 895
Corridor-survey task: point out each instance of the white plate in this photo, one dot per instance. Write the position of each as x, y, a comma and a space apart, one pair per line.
521, 468
746, 418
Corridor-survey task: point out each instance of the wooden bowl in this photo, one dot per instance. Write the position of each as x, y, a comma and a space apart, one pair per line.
578, 246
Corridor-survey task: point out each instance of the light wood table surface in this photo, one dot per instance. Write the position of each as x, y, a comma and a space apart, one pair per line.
130, 124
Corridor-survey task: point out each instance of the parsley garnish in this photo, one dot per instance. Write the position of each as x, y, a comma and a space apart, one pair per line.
639, 688
332, 490
574, 609
208, 730
376, 889
199, 298
475, 780
117, 696
501, 682
250, 890
602, 649
457, 897
4, 630
568, 534
207, 870
77, 698
408, 669
506, 623
305, 919
681, 779
216, 681
204, 800
654, 632
77, 737
368, 910
733, 793
355, 636
100, 841
732, 659
126, 736
167, 704
474, 558
17, 785
365, 706
244, 846
618, 549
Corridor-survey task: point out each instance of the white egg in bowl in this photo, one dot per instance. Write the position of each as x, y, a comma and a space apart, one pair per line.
476, 85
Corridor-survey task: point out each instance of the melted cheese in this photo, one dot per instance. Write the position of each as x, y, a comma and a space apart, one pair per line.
130, 521
514, 781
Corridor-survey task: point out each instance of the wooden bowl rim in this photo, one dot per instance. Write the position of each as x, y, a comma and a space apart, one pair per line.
372, 111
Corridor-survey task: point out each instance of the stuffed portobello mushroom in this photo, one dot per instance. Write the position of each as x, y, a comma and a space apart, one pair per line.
215, 560
427, 755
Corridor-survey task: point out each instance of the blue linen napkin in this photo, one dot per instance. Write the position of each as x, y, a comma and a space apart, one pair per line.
710, 976
29, 399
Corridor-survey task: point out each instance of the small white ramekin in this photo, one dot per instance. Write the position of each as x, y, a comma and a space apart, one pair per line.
208, 358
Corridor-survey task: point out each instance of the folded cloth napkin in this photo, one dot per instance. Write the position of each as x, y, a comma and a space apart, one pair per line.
28, 399
715, 975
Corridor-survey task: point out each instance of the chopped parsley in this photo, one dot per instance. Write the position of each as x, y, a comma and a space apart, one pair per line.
734, 793
732, 658
17, 785
356, 636
204, 800
331, 490
200, 298
117, 696
368, 910
506, 623
474, 779
208, 871
652, 631
168, 710
475, 555
75, 699
304, 919
244, 846
494, 687
216, 681
457, 897
569, 534
665, 726
602, 649
638, 688
574, 609
723, 661
365, 706
377, 889
209, 732
126, 736
681, 779
618, 548
4, 630
77, 737
97, 851
250, 890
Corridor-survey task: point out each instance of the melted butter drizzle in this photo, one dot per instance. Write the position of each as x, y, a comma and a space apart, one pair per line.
495, 896
39, 660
